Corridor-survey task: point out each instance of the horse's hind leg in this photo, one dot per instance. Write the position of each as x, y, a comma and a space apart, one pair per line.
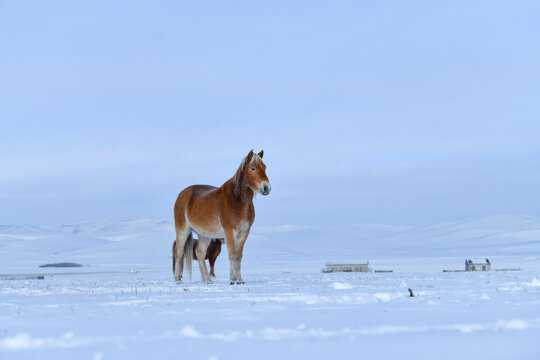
202, 247
181, 237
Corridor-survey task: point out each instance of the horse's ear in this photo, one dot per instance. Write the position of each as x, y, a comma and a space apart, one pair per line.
261, 154
249, 156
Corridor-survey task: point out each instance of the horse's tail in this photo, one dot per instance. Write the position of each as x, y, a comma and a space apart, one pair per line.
188, 253
174, 256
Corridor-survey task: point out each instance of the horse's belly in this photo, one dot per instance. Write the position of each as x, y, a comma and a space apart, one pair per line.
210, 229
210, 233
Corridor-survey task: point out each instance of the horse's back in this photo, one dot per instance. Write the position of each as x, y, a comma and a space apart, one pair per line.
202, 191
190, 193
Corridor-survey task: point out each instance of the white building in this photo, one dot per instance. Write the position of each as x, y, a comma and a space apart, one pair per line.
477, 265
333, 267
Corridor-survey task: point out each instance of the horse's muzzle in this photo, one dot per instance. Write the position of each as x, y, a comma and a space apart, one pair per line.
265, 189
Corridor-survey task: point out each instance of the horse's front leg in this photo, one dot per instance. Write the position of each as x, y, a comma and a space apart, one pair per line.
231, 249
212, 261
241, 238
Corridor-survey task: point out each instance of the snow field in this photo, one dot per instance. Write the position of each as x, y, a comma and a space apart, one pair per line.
120, 315
124, 302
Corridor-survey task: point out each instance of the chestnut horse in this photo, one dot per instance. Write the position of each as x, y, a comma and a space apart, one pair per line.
226, 211
213, 251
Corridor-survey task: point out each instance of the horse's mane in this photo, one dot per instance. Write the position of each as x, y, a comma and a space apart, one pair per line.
239, 178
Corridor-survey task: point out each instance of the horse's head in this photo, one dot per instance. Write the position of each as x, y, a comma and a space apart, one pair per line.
254, 171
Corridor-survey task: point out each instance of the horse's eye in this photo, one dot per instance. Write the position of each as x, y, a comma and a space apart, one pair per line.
252, 169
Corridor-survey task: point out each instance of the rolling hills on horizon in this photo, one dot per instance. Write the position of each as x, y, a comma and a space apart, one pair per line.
147, 242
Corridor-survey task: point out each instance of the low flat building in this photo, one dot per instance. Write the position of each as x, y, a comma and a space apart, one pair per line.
477, 265
336, 267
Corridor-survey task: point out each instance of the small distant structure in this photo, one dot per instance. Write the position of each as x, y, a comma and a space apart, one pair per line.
22, 277
477, 265
60, 265
334, 267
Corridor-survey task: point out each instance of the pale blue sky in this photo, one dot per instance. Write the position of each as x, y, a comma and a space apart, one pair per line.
392, 112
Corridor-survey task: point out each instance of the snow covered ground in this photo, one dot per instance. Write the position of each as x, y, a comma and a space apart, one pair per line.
126, 303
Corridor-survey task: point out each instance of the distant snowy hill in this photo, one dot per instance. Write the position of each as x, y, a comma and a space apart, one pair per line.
497, 234
488, 236
147, 243
111, 243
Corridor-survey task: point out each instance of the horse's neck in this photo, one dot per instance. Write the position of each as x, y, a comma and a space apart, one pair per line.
239, 192
248, 195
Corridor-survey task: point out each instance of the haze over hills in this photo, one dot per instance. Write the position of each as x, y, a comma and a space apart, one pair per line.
147, 243
496, 234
